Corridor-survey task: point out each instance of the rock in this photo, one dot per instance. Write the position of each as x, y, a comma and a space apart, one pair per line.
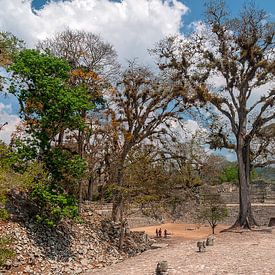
27, 269
162, 268
72, 248
78, 271
158, 245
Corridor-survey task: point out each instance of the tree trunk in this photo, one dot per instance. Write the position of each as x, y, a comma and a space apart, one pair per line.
245, 218
122, 225
90, 189
80, 195
213, 229
117, 206
117, 194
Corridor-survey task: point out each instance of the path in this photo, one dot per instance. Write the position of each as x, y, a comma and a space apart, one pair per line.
233, 253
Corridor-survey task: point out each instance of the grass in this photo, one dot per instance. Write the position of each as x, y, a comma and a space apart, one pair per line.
6, 253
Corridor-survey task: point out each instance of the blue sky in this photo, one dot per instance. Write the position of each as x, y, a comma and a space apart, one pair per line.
197, 6
131, 26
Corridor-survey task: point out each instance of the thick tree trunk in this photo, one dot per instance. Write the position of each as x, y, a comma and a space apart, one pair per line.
245, 218
117, 206
118, 194
122, 225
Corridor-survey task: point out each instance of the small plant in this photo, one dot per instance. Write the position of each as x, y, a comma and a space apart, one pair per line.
213, 210
6, 253
4, 214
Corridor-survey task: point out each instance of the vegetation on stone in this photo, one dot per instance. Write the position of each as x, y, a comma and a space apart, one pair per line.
6, 252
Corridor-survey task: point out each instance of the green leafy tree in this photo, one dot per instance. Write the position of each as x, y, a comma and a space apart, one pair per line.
212, 210
50, 107
48, 104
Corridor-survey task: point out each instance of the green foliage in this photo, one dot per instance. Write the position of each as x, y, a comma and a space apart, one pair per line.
49, 105
19, 155
11, 178
230, 174
53, 204
4, 214
6, 252
33, 175
9, 46
66, 168
212, 210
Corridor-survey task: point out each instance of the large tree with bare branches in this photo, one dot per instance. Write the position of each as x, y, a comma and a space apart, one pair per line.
228, 67
139, 108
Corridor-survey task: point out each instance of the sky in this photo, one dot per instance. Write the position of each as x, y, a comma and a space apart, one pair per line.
132, 26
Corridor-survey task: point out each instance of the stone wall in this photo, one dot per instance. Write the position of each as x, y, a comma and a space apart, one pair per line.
262, 213
135, 218
262, 198
260, 192
263, 204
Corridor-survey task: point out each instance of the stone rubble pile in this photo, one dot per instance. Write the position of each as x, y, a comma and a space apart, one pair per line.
70, 248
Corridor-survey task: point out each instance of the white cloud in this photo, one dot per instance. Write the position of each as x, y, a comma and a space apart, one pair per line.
185, 130
11, 119
131, 26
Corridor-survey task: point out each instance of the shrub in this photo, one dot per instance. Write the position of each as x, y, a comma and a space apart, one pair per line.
212, 210
53, 204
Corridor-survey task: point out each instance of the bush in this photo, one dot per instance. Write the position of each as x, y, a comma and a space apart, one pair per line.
33, 175
4, 214
53, 204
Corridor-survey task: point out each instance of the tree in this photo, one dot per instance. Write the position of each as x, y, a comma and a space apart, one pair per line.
212, 210
139, 107
9, 46
83, 50
157, 183
230, 174
49, 106
239, 52
93, 65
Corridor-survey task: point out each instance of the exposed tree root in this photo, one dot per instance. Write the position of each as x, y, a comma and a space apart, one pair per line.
249, 224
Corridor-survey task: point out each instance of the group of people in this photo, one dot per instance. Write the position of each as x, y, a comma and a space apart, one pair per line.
159, 233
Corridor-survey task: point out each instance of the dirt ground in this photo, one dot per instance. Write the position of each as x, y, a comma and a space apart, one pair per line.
244, 253
182, 230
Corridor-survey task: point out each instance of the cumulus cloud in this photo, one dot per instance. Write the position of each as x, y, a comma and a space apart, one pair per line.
6, 116
131, 26
185, 130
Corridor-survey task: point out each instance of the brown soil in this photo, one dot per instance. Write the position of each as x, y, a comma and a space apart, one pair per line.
182, 230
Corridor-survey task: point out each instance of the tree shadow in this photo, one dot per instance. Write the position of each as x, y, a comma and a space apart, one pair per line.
53, 242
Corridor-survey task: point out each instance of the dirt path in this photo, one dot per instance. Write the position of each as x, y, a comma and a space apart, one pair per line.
233, 253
